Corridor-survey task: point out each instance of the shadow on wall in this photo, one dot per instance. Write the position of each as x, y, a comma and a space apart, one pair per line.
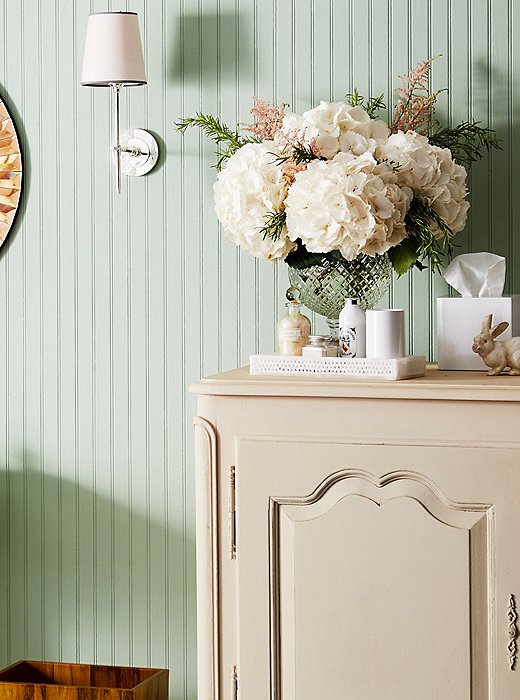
491, 181
207, 44
84, 578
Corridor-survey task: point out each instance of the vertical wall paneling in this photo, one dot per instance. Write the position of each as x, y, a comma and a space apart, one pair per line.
419, 321
266, 291
32, 369
246, 35
514, 150
110, 306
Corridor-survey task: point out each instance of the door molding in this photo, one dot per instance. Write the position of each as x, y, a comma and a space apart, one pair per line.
476, 518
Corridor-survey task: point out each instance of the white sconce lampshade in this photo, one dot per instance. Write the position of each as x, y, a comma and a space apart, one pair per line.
113, 51
114, 58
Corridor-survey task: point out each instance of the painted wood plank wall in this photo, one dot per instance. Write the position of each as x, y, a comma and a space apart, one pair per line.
110, 306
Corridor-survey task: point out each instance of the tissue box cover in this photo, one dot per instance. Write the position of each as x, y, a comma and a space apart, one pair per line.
459, 320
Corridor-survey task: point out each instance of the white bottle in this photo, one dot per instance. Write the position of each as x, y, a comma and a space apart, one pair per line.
352, 330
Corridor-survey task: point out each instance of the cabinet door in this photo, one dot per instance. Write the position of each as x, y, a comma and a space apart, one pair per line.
368, 572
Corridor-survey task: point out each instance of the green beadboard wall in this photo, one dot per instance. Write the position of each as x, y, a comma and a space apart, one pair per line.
110, 306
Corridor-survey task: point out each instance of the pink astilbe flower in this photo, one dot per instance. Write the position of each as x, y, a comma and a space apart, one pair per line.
268, 127
414, 111
315, 148
290, 168
269, 118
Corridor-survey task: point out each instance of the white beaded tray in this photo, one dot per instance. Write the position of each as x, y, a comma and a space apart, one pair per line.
401, 368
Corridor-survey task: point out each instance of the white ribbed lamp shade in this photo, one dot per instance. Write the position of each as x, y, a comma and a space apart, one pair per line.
113, 51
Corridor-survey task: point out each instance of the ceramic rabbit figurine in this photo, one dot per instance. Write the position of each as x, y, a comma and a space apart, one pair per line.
497, 354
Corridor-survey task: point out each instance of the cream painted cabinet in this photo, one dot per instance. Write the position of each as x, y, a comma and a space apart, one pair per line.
357, 540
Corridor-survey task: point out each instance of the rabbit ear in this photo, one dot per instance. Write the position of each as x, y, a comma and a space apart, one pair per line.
486, 323
500, 328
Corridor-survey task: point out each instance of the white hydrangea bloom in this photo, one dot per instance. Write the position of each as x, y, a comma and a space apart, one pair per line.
415, 157
448, 196
350, 204
356, 119
335, 127
249, 187
431, 173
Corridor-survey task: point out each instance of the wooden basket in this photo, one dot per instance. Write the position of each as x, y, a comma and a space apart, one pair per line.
38, 680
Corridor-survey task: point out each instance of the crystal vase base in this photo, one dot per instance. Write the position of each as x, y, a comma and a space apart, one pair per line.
324, 288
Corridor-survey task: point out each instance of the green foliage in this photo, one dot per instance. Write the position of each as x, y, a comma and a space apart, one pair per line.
404, 256
299, 153
372, 106
429, 239
301, 259
354, 98
466, 141
227, 140
274, 225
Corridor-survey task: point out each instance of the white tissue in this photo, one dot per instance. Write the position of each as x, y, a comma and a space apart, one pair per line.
477, 274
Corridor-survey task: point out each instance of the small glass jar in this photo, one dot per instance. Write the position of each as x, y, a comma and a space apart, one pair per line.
293, 330
332, 347
319, 346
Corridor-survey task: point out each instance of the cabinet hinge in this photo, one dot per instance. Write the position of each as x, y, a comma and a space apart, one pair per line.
234, 683
232, 515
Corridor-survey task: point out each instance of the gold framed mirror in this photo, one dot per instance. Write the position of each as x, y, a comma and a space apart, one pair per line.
10, 172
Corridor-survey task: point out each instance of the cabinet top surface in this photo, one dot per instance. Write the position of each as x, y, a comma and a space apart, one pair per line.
436, 384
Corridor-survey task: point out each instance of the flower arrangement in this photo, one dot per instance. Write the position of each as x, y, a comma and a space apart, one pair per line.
338, 182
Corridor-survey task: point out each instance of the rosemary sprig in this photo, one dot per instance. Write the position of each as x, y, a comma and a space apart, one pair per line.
274, 225
372, 106
429, 239
227, 140
298, 153
424, 226
354, 98
466, 141
213, 127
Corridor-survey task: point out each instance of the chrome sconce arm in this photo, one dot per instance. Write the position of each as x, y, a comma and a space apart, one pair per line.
135, 151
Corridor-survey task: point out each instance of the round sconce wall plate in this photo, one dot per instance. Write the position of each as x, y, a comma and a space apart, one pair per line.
10, 172
146, 152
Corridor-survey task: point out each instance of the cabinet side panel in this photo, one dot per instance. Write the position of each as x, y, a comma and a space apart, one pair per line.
207, 563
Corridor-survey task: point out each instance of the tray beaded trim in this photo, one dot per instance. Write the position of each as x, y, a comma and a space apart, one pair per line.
393, 369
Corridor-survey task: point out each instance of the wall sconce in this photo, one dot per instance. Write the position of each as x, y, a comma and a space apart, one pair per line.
114, 58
